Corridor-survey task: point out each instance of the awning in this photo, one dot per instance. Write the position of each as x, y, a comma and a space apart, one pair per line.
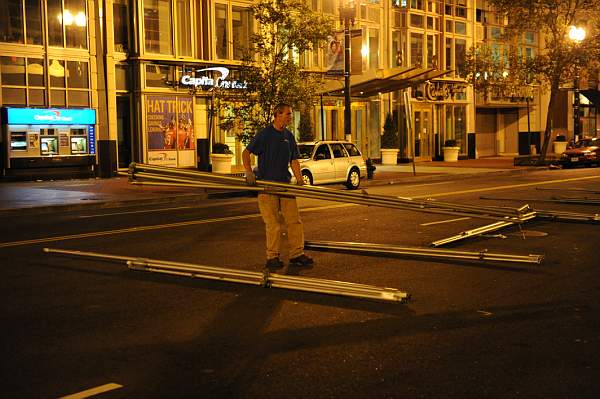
593, 96
374, 82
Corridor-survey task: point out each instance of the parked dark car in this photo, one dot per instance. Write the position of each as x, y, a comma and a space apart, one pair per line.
584, 152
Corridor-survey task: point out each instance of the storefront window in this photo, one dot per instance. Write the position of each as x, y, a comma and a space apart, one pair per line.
35, 72
373, 48
120, 18
75, 21
158, 75
33, 19
122, 79
77, 72
242, 30
460, 28
460, 51
58, 98
416, 49
79, 98
13, 71
55, 21
56, 70
221, 31
11, 21
158, 26
184, 28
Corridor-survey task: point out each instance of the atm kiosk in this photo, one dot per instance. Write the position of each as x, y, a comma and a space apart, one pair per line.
48, 141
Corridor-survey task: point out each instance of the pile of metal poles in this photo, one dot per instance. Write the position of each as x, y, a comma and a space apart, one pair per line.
264, 279
150, 174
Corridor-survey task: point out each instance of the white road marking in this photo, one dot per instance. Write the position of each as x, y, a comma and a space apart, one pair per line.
93, 391
444, 221
125, 213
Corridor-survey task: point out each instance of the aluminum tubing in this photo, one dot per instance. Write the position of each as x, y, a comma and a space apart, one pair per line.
335, 195
470, 233
356, 247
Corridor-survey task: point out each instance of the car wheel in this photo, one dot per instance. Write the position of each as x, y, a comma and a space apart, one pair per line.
307, 178
353, 180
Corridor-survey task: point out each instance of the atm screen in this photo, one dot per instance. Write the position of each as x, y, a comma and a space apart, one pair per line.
49, 145
78, 145
18, 141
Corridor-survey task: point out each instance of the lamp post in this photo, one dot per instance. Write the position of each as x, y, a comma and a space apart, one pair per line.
576, 34
347, 15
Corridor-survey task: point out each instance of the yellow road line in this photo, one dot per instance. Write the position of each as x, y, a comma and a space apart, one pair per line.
444, 221
255, 215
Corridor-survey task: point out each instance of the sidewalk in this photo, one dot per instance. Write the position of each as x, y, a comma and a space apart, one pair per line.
65, 195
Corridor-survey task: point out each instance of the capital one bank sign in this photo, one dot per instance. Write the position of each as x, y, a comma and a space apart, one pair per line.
207, 82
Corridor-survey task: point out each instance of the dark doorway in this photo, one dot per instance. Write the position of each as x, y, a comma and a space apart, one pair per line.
124, 131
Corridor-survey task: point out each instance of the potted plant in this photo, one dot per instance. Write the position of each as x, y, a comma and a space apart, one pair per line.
560, 144
389, 142
221, 158
451, 150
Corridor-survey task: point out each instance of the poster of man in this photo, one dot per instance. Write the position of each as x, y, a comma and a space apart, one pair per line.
335, 55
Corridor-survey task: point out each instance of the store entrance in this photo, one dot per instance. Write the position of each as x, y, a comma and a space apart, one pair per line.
124, 131
423, 136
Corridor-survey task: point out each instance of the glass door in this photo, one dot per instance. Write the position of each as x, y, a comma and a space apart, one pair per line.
423, 136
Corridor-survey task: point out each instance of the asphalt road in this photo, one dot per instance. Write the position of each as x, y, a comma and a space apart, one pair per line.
471, 329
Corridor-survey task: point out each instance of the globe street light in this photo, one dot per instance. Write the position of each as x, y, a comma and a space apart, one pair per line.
347, 15
576, 34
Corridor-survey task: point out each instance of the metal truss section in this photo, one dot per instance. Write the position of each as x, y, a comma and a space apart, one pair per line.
472, 233
362, 248
264, 279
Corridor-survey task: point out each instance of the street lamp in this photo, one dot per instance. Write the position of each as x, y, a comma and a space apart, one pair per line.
576, 34
347, 15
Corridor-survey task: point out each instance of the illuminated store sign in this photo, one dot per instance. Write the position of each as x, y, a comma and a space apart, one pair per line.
50, 116
220, 82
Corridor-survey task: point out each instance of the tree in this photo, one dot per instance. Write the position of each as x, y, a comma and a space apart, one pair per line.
555, 64
389, 139
286, 29
305, 129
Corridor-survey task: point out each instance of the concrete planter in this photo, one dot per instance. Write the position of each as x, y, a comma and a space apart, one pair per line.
560, 147
221, 163
389, 156
451, 154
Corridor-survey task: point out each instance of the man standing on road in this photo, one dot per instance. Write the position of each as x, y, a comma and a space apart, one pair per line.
276, 148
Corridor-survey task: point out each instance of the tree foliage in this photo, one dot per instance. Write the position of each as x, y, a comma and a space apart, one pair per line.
305, 129
557, 61
285, 29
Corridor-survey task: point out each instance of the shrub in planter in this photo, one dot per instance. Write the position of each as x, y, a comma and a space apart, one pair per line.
389, 139
221, 148
450, 143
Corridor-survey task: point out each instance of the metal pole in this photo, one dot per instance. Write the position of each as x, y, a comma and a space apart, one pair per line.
528, 127
347, 102
264, 279
576, 124
447, 254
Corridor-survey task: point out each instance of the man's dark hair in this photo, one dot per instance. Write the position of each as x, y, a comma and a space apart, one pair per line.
280, 107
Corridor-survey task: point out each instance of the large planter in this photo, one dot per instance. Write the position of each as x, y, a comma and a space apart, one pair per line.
389, 156
451, 154
221, 163
560, 147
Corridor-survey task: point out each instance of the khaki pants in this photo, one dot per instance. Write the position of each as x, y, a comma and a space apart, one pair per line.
271, 206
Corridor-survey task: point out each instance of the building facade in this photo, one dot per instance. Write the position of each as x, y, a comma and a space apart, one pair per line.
153, 70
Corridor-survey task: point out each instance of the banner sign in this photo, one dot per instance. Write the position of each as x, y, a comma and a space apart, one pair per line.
51, 116
169, 127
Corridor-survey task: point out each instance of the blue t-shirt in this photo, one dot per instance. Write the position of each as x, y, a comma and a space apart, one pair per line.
275, 150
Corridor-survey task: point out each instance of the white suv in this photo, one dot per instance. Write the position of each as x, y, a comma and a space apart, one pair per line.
331, 162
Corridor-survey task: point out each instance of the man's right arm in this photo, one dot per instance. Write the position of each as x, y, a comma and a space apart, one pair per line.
250, 177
